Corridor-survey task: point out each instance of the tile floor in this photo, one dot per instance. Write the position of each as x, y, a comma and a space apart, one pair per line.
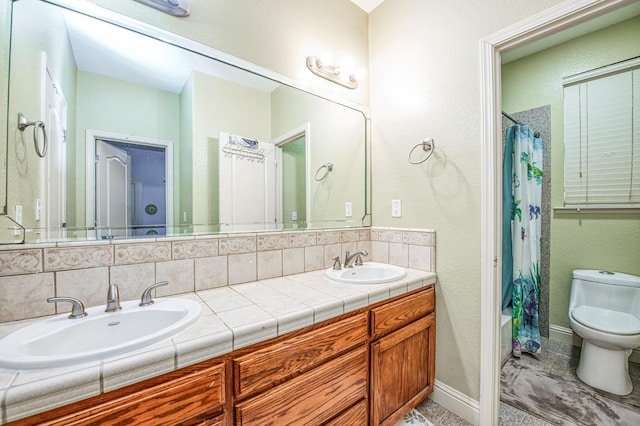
559, 358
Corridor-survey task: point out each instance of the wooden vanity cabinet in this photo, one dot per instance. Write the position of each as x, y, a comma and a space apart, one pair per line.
402, 356
369, 367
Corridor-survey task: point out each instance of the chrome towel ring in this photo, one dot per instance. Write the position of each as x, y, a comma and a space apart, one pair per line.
324, 171
23, 123
428, 145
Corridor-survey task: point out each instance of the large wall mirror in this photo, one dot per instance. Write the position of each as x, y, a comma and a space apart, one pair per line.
149, 138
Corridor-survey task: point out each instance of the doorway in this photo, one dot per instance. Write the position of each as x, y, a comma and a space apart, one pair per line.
293, 184
129, 186
552, 21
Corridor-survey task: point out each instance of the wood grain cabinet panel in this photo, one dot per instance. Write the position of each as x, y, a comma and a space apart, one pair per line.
312, 398
354, 416
276, 363
393, 315
184, 401
402, 370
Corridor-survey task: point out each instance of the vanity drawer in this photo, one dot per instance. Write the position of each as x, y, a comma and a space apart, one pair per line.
391, 316
312, 398
354, 416
187, 400
281, 361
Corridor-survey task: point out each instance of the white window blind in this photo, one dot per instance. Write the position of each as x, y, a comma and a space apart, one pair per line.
602, 139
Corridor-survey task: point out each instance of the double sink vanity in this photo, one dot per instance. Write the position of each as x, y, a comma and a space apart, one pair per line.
353, 346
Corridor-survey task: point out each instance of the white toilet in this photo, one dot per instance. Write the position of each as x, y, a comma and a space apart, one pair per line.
604, 309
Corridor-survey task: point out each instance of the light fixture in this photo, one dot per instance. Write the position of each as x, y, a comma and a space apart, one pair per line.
172, 7
331, 72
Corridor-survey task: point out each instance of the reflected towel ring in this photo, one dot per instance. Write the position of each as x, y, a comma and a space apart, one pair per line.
327, 168
23, 123
428, 145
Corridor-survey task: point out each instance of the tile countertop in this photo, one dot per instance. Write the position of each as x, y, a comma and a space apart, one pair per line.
232, 317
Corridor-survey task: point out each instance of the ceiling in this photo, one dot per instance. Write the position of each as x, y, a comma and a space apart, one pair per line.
367, 5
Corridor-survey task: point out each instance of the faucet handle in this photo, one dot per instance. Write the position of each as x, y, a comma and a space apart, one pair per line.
146, 295
77, 311
336, 263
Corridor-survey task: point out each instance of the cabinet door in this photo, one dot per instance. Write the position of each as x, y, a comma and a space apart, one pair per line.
312, 398
402, 370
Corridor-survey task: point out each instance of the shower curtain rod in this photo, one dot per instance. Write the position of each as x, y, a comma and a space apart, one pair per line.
536, 134
510, 118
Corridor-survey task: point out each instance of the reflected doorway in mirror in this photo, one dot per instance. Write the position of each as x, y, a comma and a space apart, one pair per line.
128, 174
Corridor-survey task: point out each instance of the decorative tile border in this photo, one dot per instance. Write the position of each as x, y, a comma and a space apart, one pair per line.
140, 253
16, 262
194, 248
64, 258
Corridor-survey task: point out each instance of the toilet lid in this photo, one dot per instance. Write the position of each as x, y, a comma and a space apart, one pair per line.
606, 320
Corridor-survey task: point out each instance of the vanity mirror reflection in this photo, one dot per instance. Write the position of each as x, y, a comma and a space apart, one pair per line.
148, 134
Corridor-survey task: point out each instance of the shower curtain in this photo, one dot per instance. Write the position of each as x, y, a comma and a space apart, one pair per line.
522, 194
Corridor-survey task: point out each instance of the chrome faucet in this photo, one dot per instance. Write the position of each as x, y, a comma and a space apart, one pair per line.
348, 258
146, 299
77, 311
113, 299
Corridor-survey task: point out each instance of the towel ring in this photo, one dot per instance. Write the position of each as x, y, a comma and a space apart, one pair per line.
428, 145
327, 168
23, 123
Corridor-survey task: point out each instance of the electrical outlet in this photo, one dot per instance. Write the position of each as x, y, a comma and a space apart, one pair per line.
294, 215
184, 217
348, 209
396, 208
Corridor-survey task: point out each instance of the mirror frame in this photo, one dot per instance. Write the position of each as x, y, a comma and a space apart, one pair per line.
182, 42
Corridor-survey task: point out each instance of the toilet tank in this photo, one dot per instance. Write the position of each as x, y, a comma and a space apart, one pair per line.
604, 289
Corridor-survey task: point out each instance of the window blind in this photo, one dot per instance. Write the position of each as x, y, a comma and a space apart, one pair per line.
602, 140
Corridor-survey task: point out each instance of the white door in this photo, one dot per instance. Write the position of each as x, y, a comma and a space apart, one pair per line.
113, 204
247, 180
53, 206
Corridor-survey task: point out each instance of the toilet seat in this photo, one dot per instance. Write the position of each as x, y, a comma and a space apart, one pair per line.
606, 320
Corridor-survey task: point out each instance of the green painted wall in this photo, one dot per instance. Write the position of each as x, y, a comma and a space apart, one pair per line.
106, 104
585, 240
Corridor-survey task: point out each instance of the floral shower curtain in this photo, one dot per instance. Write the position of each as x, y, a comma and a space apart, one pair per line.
522, 200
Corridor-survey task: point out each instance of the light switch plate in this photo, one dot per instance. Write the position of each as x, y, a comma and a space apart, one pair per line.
396, 208
348, 209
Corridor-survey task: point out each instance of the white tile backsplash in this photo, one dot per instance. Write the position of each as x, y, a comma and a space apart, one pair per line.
84, 269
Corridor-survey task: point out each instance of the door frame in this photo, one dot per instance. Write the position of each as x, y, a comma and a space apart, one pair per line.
44, 202
555, 19
279, 142
90, 170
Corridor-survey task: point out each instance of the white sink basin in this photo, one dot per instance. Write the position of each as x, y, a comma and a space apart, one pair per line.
368, 273
60, 341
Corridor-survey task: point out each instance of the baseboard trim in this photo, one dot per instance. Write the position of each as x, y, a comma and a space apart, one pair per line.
456, 402
566, 335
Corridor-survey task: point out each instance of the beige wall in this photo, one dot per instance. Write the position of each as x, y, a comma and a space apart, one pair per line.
578, 241
277, 35
425, 82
